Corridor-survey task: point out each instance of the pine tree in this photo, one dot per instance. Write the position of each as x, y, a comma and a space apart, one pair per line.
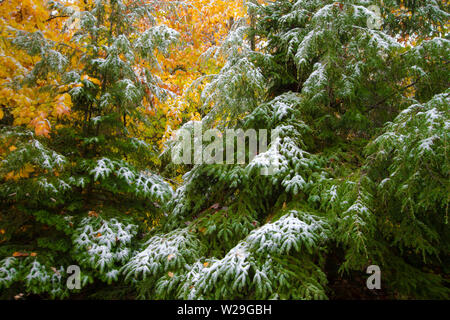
362, 161
82, 195
360, 106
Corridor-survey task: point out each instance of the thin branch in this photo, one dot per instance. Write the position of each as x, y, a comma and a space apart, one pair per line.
401, 89
55, 17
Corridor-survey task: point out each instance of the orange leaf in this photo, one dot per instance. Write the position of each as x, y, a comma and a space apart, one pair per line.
170, 274
20, 254
41, 126
202, 230
92, 214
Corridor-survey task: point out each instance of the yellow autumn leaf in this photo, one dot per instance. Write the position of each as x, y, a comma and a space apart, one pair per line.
91, 79
95, 81
24, 173
63, 105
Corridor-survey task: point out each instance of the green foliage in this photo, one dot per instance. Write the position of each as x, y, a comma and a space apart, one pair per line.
360, 162
408, 166
82, 195
328, 83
